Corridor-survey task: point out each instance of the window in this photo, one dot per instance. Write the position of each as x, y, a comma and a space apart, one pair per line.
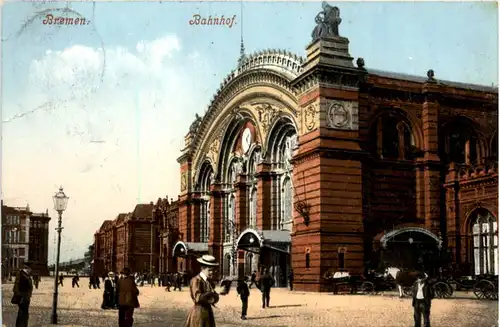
253, 209
485, 239
287, 205
308, 260
341, 260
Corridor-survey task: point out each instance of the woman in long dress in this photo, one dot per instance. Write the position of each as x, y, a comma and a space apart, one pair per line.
203, 295
108, 295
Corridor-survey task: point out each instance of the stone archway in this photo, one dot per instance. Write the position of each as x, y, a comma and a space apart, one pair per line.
411, 248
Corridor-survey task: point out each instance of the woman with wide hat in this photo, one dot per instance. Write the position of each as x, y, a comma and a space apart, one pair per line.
203, 294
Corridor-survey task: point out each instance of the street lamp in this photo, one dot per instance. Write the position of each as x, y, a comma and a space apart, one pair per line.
60, 203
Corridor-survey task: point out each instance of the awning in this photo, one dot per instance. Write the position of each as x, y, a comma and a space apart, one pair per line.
186, 248
408, 235
253, 240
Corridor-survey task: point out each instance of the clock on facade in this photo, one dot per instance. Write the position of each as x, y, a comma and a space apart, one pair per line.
246, 140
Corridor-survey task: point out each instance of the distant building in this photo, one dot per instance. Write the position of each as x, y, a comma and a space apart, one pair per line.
25, 237
38, 251
130, 241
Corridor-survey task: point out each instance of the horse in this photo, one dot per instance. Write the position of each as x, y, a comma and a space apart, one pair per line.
403, 278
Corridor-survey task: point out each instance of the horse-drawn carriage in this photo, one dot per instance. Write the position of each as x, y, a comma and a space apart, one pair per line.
483, 286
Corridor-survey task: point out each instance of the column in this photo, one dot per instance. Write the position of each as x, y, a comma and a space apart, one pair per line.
242, 197
431, 161
216, 218
264, 194
195, 221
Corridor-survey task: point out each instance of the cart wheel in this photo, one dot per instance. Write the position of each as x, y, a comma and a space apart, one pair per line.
489, 290
368, 288
407, 291
442, 290
478, 290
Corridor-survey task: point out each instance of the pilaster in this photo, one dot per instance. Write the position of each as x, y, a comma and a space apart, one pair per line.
241, 203
216, 217
264, 190
432, 176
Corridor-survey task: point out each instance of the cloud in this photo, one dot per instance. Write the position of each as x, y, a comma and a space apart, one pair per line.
113, 132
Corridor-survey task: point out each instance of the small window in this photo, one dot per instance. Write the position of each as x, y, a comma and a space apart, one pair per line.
341, 260
308, 260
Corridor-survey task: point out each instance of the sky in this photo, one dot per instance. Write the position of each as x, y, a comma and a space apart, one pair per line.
102, 109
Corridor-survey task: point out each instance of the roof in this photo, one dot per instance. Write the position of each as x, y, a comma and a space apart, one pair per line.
104, 225
423, 79
276, 236
190, 246
120, 218
143, 211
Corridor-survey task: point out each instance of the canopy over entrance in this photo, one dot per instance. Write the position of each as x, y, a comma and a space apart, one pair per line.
409, 235
186, 248
253, 240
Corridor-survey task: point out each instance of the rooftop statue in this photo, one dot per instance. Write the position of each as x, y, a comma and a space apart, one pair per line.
328, 22
196, 123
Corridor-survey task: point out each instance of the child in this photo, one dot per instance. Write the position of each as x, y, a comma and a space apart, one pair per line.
244, 293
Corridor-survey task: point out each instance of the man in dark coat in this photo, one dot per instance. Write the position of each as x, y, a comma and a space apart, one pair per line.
290, 279
253, 279
265, 284
36, 280
23, 289
74, 281
244, 293
422, 294
127, 299
61, 279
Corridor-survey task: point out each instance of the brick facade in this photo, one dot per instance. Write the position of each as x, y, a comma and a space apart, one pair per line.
369, 152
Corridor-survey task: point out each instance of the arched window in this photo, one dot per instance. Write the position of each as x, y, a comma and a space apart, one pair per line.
287, 205
392, 138
206, 177
485, 239
253, 208
460, 142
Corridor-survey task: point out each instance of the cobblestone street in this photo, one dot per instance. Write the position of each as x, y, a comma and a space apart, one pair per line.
81, 307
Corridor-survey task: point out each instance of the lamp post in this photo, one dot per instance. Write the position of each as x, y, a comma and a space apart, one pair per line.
60, 203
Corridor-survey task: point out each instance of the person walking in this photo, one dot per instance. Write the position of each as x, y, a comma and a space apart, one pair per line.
23, 289
253, 279
290, 279
61, 279
36, 280
127, 299
108, 296
265, 284
244, 292
74, 281
203, 295
422, 294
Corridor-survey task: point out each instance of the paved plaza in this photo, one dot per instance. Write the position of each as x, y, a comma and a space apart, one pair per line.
81, 307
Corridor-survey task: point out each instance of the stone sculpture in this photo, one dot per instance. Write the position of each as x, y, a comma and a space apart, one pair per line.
328, 22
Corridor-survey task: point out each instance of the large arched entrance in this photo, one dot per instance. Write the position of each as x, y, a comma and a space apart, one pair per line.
267, 249
411, 248
185, 254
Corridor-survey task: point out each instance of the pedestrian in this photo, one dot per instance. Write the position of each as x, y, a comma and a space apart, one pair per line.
253, 279
97, 282
108, 296
23, 289
74, 281
91, 282
265, 283
36, 280
203, 295
127, 299
61, 279
178, 281
422, 294
290, 279
244, 292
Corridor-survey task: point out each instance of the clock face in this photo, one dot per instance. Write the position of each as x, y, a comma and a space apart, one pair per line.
246, 140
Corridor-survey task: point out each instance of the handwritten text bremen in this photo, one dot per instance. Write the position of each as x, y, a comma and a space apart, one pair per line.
51, 20
219, 21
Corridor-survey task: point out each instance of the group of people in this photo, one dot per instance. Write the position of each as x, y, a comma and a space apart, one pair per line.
121, 292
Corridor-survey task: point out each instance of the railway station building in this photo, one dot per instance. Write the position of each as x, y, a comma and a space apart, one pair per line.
321, 163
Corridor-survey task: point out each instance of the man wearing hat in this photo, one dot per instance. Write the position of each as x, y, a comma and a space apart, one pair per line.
127, 299
203, 295
23, 288
422, 294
